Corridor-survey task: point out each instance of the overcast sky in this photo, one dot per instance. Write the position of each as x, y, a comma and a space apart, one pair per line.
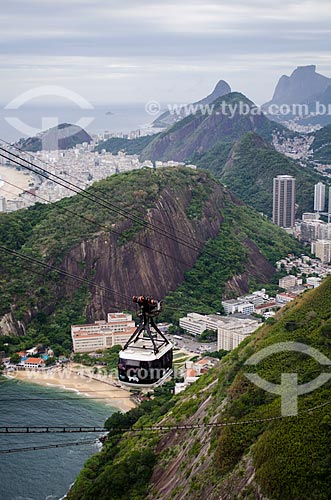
120, 51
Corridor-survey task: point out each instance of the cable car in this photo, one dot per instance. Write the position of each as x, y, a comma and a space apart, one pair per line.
146, 359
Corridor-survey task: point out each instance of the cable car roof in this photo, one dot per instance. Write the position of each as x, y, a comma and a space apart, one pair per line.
143, 351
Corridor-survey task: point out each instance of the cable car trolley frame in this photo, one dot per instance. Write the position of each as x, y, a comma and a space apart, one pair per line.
146, 359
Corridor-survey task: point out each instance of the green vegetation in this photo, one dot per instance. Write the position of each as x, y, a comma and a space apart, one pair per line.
218, 354
289, 462
15, 358
47, 232
38, 297
207, 336
107, 358
118, 472
291, 455
238, 151
249, 170
205, 283
322, 145
53, 137
129, 146
198, 134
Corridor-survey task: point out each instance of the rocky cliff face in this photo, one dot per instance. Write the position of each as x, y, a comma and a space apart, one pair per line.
10, 326
129, 260
257, 268
303, 87
133, 269
303, 84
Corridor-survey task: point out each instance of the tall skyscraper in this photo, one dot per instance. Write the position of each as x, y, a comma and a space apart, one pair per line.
284, 201
319, 198
329, 200
2, 204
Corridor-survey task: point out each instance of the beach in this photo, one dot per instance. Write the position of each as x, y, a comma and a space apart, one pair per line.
82, 380
19, 178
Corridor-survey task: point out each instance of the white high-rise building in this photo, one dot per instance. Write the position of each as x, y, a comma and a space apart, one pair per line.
319, 197
329, 200
3, 205
283, 213
232, 331
322, 250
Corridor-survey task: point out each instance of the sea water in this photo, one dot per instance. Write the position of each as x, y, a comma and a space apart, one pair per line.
30, 120
44, 474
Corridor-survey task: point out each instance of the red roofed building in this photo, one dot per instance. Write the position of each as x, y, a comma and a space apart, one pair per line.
34, 363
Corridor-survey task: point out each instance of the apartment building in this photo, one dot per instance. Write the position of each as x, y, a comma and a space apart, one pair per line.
232, 331
102, 334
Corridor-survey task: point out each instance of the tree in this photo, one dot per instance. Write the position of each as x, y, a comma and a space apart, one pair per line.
208, 336
15, 358
50, 361
175, 329
218, 354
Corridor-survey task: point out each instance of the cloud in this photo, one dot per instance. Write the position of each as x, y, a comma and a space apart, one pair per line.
162, 48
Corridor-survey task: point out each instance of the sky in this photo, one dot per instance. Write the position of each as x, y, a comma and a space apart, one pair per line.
170, 51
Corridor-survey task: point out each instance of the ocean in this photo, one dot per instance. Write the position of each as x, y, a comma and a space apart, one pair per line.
26, 121
44, 474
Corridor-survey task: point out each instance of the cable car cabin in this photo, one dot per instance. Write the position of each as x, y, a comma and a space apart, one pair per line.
146, 359
140, 366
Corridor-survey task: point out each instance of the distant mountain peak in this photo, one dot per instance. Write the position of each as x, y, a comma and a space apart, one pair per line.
167, 119
62, 136
221, 88
230, 117
303, 83
311, 68
303, 86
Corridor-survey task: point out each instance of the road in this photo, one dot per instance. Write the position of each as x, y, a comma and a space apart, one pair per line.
189, 344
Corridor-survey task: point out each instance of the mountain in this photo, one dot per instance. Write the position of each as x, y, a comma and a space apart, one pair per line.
318, 109
321, 146
63, 136
266, 457
307, 87
235, 247
232, 116
235, 144
303, 84
250, 168
129, 146
167, 119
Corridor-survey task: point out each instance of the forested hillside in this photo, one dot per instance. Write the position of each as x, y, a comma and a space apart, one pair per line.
249, 171
229, 249
285, 458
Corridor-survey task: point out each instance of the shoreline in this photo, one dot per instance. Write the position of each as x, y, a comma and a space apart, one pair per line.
78, 379
17, 177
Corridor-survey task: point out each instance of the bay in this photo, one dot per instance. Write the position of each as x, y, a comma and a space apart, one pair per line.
44, 474
114, 118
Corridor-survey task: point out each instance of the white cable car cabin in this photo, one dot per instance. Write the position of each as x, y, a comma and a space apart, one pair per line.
146, 359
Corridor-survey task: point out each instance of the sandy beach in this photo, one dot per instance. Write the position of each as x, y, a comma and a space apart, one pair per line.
81, 380
12, 175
